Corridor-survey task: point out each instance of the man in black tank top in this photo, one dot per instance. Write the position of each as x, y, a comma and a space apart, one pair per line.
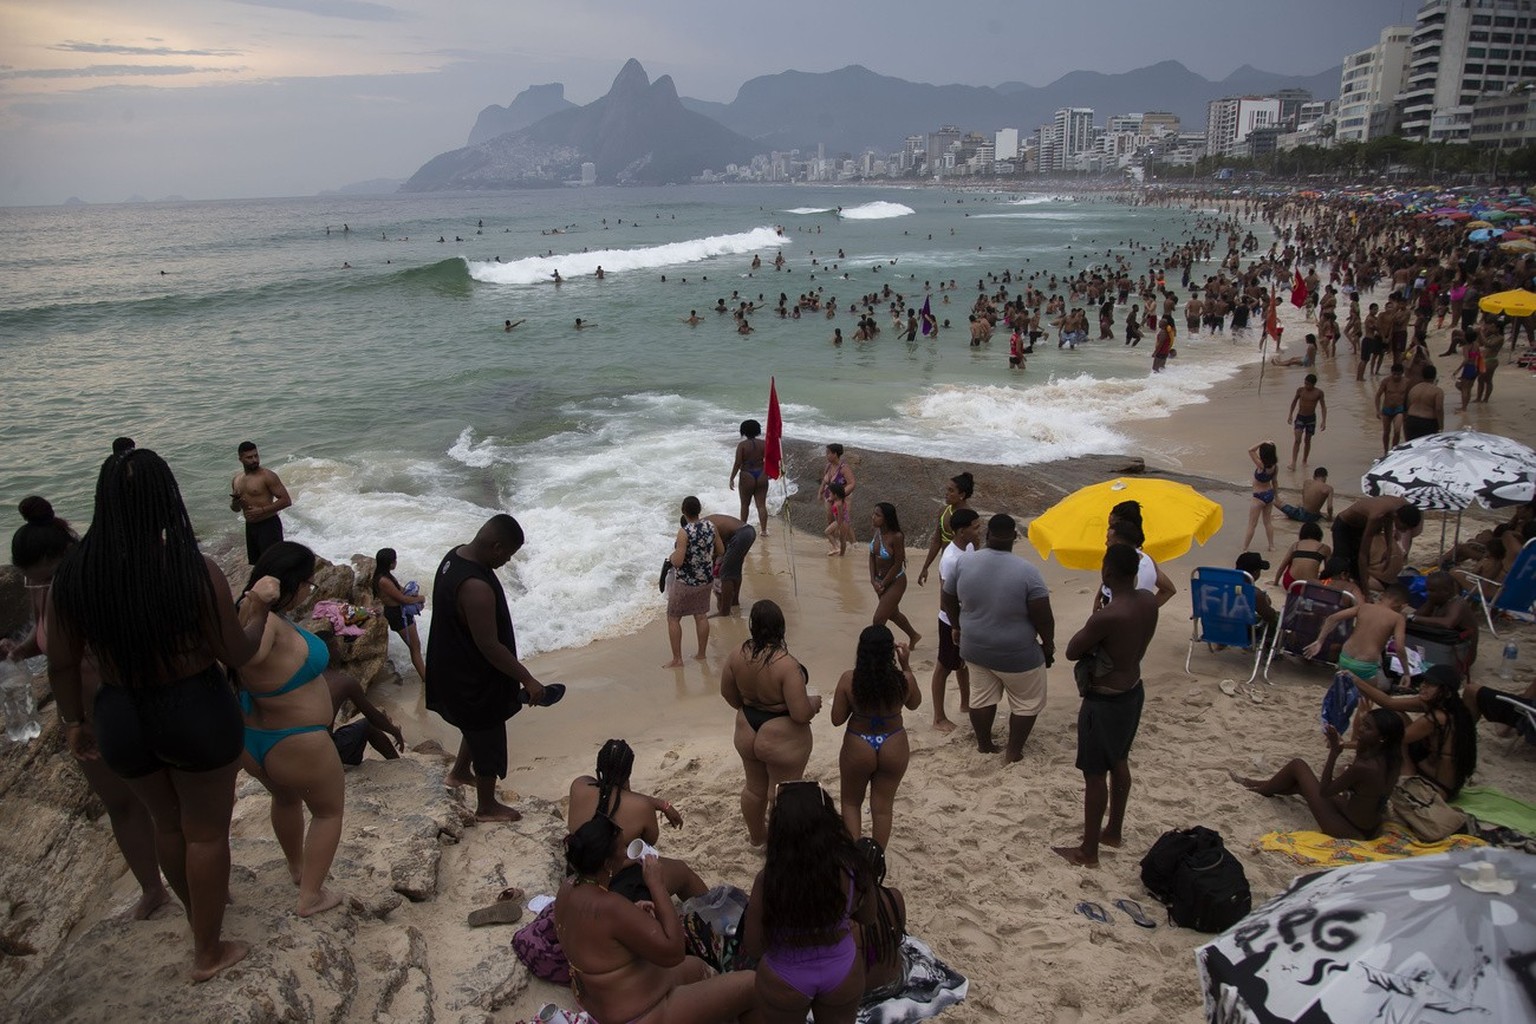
474, 679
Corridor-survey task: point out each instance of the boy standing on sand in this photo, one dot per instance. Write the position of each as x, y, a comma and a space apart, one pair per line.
1303, 414
1375, 624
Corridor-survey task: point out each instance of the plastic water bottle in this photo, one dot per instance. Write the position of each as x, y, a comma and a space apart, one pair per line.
1507, 663
21, 722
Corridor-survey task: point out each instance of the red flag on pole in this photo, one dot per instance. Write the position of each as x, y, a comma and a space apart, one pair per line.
773, 456
1298, 291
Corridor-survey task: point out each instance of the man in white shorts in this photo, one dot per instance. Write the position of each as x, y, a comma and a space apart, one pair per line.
1006, 634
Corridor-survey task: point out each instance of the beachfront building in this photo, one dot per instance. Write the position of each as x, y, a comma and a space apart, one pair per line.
1369, 85
1229, 121
1460, 51
1507, 121
1072, 128
1006, 143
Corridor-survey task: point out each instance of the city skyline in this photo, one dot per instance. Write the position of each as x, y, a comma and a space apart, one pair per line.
103, 99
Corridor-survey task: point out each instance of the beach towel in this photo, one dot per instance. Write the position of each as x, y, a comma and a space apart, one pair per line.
932, 986
1394, 843
1487, 804
1339, 702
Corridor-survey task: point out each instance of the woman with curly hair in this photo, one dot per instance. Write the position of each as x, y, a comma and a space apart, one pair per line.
813, 887
767, 687
875, 751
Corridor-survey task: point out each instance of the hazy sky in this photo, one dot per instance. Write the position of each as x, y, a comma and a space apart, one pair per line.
104, 99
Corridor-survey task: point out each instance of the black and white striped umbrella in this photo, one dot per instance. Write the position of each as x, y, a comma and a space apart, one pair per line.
1449, 472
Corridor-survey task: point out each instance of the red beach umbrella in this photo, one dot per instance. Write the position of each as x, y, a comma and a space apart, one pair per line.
773, 456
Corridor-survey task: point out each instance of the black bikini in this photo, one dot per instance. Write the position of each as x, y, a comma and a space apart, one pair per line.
756, 716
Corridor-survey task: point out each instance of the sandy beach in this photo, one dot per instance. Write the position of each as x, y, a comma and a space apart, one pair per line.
971, 843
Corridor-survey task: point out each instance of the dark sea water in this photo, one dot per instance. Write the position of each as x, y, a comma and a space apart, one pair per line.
399, 413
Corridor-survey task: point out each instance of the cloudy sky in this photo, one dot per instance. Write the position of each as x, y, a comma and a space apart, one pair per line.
104, 99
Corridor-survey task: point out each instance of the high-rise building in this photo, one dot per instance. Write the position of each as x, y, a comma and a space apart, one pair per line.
1369, 84
939, 143
1461, 50
1228, 122
1073, 130
1007, 143
1159, 122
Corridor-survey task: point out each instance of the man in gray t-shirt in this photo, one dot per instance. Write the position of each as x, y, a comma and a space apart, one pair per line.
1004, 628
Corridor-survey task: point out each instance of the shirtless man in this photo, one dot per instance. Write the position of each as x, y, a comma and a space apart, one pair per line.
1303, 415
1371, 343
1375, 624
1314, 494
1391, 401
1424, 411
259, 495
1112, 641
1364, 521
373, 728
738, 538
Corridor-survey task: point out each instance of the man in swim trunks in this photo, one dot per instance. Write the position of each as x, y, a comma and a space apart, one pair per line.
1112, 643
1357, 526
475, 681
1391, 401
1314, 494
738, 538
1002, 623
1302, 415
1424, 411
259, 495
1375, 624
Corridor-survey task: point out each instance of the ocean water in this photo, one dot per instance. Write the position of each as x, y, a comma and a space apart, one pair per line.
399, 413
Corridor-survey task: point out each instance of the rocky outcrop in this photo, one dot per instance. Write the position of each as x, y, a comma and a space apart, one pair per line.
528, 107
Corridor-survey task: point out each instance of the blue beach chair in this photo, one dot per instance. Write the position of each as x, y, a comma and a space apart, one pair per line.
1226, 613
1516, 593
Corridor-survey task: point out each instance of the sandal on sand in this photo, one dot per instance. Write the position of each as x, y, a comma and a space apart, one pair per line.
1133, 910
1093, 912
512, 892
553, 693
500, 912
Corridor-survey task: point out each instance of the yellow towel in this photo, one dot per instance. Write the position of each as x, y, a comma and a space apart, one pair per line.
1394, 843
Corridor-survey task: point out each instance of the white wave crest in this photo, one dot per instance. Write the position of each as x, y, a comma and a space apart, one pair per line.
878, 210
539, 269
1037, 199
807, 210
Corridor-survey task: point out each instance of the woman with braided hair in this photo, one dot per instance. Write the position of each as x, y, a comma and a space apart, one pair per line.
608, 794
875, 752
158, 617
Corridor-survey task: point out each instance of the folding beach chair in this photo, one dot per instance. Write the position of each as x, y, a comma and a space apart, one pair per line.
1226, 613
1527, 732
1516, 593
1307, 604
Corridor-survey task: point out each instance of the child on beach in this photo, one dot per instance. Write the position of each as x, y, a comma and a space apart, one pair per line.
1375, 624
839, 531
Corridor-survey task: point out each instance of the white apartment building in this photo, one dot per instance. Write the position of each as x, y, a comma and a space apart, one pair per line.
1006, 143
1461, 50
1228, 122
1369, 84
1073, 130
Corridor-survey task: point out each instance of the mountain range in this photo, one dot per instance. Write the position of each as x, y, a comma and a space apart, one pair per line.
642, 132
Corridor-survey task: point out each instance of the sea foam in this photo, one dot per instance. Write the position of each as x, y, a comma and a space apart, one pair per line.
878, 210
804, 211
540, 269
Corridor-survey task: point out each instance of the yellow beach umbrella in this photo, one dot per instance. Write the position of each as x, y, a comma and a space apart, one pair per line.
1518, 245
1473, 225
1173, 516
1515, 302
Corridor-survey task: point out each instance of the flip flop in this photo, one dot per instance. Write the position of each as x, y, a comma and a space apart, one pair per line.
1093, 912
553, 694
500, 912
1133, 910
512, 892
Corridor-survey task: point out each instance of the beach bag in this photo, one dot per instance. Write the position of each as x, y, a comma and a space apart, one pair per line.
712, 926
1418, 805
1160, 867
537, 946
1340, 701
1210, 891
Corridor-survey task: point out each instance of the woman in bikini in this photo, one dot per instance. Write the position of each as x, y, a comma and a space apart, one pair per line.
885, 969
750, 452
628, 961
869, 699
1350, 806
957, 495
37, 548
767, 687
1266, 466
395, 600
813, 887
836, 471
608, 793
888, 569
1305, 559
157, 616
288, 714
1441, 744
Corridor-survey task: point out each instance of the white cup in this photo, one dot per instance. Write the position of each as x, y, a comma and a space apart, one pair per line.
640, 849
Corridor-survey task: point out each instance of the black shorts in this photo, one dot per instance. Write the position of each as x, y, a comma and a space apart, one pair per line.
949, 654
1492, 707
351, 741
261, 535
1346, 545
192, 725
736, 552
487, 751
394, 615
1106, 728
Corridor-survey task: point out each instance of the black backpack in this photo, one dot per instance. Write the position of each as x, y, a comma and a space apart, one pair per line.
1192, 873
